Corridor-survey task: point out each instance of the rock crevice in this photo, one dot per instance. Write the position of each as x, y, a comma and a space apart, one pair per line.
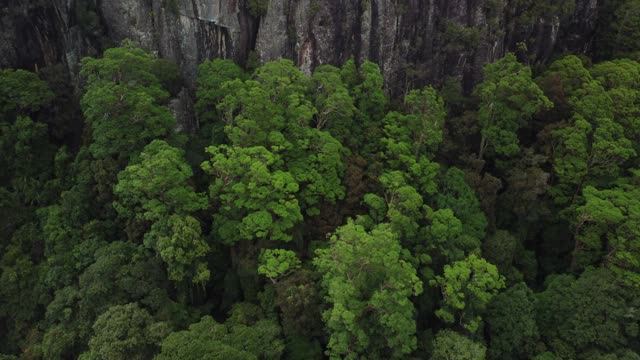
415, 42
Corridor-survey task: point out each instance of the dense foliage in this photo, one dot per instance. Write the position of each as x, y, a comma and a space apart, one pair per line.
311, 216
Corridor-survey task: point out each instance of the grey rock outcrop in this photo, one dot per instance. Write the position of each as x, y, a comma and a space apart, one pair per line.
414, 41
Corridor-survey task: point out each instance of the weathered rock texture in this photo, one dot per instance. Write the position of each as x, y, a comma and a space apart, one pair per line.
414, 41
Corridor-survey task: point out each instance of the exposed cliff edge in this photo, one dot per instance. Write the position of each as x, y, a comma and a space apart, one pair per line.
414, 41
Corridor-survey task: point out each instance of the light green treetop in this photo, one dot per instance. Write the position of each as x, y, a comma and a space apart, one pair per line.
509, 98
256, 201
276, 263
156, 185
467, 287
368, 285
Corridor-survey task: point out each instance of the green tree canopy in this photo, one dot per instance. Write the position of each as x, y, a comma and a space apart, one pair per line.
369, 286
588, 313
467, 287
449, 344
509, 98
275, 263
156, 185
20, 92
123, 102
256, 200
511, 321
209, 340
125, 331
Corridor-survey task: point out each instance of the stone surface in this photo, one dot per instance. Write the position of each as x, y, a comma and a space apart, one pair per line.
411, 40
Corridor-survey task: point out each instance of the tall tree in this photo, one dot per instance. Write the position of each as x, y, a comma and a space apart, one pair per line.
467, 287
156, 185
511, 322
608, 228
369, 286
124, 102
334, 103
125, 331
154, 189
21, 92
509, 98
592, 312
256, 201
239, 338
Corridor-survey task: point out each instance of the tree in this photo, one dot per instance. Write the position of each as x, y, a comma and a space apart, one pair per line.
511, 321
256, 200
509, 97
212, 76
334, 103
155, 189
269, 110
619, 34
156, 185
621, 79
369, 94
501, 249
123, 103
125, 331
365, 84
21, 288
183, 249
445, 237
592, 147
451, 345
300, 303
277, 263
587, 313
467, 287
20, 92
401, 206
318, 170
118, 273
561, 81
28, 158
410, 141
273, 110
368, 285
455, 194
207, 339
608, 224
422, 127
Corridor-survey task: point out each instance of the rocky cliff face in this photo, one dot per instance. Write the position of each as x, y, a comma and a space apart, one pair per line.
414, 41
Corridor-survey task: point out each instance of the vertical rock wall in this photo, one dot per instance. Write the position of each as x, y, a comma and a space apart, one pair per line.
414, 41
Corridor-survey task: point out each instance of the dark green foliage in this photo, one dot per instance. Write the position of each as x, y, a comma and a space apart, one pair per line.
457, 195
213, 74
509, 97
156, 185
172, 6
123, 102
86, 15
238, 338
460, 38
618, 36
21, 91
307, 212
511, 320
591, 312
467, 286
125, 331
